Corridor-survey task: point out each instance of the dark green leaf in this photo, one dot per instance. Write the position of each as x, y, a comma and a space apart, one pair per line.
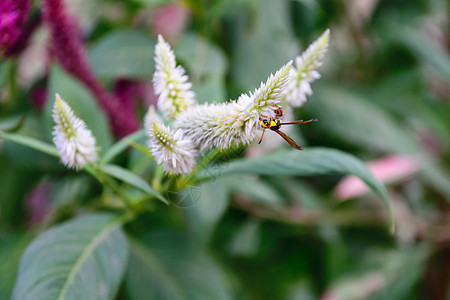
166, 266
30, 142
246, 240
352, 118
208, 202
11, 247
84, 258
126, 53
206, 64
264, 47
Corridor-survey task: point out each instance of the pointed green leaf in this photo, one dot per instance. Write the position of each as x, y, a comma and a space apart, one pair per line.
132, 179
30, 142
121, 145
84, 258
304, 163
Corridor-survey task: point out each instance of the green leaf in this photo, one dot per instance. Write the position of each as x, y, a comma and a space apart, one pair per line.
165, 265
207, 67
12, 123
263, 47
126, 53
30, 142
84, 258
82, 103
353, 118
304, 163
132, 179
425, 50
121, 145
200, 56
257, 190
11, 247
208, 202
246, 241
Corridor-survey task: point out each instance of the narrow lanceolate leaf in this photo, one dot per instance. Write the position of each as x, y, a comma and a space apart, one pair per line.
132, 179
30, 142
304, 163
84, 258
121, 145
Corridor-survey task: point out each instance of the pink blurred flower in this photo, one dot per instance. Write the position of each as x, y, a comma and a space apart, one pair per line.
169, 20
13, 16
386, 169
37, 203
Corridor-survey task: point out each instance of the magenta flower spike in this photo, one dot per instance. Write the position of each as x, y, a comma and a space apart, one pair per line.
67, 47
13, 17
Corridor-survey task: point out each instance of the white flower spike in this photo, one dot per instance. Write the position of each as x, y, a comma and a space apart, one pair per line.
170, 82
74, 141
305, 71
176, 154
218, 125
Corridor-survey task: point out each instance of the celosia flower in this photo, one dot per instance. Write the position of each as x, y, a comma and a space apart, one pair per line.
74, 141
170, 82
305, 71
218, 125
175, 153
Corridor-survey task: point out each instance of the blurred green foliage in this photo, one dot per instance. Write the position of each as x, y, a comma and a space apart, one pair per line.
385, 91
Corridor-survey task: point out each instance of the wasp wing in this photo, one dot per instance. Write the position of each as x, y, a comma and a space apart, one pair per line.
299, 122
289, 140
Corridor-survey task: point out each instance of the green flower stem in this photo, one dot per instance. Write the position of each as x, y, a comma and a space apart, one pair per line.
141, 149
104, 179
157, 179
190, 178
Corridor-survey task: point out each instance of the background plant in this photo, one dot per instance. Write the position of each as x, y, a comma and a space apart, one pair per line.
282, 232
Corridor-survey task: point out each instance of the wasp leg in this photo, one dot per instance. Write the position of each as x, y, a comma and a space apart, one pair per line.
262, 136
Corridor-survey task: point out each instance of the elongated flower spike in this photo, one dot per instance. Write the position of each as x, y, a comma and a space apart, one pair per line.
175, 153
74, 141
305, 71
170, 82
219, 125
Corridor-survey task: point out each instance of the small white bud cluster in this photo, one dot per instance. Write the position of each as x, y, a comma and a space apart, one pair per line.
305, 71
170, 82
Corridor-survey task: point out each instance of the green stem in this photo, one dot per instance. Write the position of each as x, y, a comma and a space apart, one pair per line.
157, 179
189, 179
109, 182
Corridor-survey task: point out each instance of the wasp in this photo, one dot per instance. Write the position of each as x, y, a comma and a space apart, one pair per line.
274, 124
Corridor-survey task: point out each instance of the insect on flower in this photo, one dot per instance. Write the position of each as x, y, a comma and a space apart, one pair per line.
274, 124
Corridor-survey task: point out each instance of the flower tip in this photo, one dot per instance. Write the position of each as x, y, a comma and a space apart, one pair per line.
323, 39
160, 39
58, 99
